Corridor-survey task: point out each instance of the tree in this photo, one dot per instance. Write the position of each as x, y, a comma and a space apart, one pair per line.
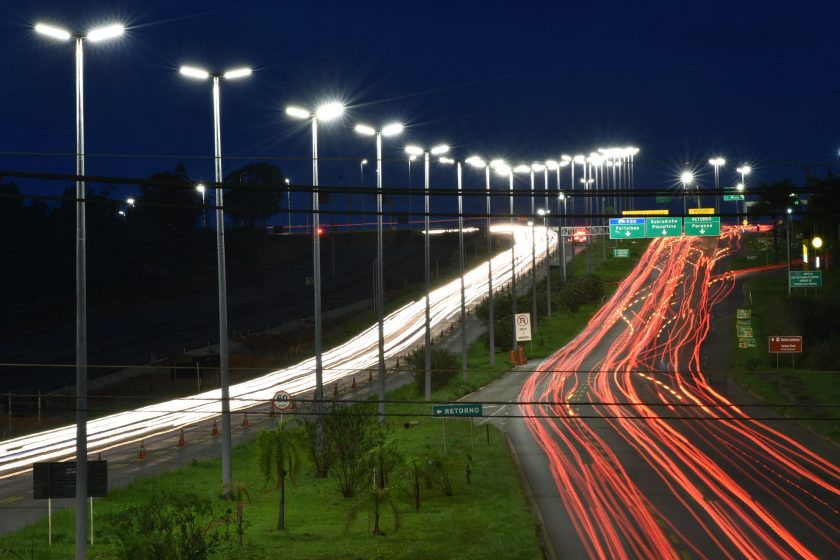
350, 432
277, 455
256, 193
774, 198
171, 205
238, 492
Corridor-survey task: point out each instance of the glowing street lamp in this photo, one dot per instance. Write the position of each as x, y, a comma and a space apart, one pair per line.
505, 170
530, 170
324, 113
480, 163
717, 163
463, 317
392, 129
94, 35
687, 178
418, 151
744, 170
202, 190
224, 351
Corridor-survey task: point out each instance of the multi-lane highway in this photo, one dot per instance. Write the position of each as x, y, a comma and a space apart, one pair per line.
404, 328
647, 457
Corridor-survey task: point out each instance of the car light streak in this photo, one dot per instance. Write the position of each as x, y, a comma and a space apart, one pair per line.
403, 330
739, 488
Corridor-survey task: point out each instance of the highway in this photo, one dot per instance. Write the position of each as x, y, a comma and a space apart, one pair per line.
404, 329
648, 458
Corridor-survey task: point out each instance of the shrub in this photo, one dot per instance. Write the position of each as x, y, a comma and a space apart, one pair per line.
445, 364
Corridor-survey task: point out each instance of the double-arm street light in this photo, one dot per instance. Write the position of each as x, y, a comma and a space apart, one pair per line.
326, 112
717, 163
224, 351
435, 151
478, 162
94, 35
505, 170
461, 263
687, 178
392, 129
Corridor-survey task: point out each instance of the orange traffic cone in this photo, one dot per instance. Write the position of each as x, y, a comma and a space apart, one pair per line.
335, 390
513, 358
181, 441
99, 456
271, 413
245, 422
370, 376
353, 384
215, 429
398, 364
142, 454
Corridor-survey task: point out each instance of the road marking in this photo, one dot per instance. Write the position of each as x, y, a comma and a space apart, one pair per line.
10, 500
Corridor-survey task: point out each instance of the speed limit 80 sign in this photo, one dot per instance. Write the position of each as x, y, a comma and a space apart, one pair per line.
282, 400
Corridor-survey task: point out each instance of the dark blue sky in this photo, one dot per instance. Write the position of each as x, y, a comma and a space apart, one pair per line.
752, 81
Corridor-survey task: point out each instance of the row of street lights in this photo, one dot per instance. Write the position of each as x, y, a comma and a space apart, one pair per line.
687, 179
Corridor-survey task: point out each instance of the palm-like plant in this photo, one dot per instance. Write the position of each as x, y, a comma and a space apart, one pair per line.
278, 456
238, 492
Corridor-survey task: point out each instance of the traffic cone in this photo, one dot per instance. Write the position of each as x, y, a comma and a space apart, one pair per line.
181, 441
353, 384
99, 456
271, 413
522, 360
513, 358
215, 429
142, 454
398, 364
245, 422
370, 376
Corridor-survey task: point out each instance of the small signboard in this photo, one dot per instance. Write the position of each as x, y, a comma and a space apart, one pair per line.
745, 332
705, 225
743, 314
655, 212
627, 228
462, 410
621, 253
282, 400
732, 197
806, 278
663, 199
785, 344
58, 480
746, 343
523, 327
701, 211
743, 323
663, 227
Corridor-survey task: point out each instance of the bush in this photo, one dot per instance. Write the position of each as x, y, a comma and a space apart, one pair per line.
445, 365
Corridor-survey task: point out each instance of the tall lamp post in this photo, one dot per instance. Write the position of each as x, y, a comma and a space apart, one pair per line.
94, 35
461, 264
392, 129
224, 369
530, 171
744, 170
326, 112
717, 163
476, 161
687, 178
417, 151
545, 213
202, 190
504, 169
362, 184
789, 215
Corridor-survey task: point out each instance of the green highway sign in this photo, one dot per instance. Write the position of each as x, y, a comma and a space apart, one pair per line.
663, 199
627, 228
743, 314
732, 197
806, 278
462, 410
745, 332
621, 253
702, 225
746, 343
663, 227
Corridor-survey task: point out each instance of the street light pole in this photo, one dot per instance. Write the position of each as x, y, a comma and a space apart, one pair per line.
789, 214
98, 34
717, 162
326, 112
224, 352
686, 178
463, 316
389, 130
476, 161
362, 174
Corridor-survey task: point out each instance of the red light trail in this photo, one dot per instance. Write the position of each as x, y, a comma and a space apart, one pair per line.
664, 488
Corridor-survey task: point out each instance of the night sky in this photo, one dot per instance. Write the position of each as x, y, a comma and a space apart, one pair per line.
756, 82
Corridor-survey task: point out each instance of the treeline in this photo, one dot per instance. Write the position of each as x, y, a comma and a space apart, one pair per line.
164, 233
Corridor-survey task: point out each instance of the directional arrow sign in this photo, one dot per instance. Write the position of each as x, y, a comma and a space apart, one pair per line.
664, 227
702, 225
471, 409
627, 228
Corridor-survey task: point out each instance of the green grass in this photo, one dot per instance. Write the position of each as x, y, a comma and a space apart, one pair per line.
805, 393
